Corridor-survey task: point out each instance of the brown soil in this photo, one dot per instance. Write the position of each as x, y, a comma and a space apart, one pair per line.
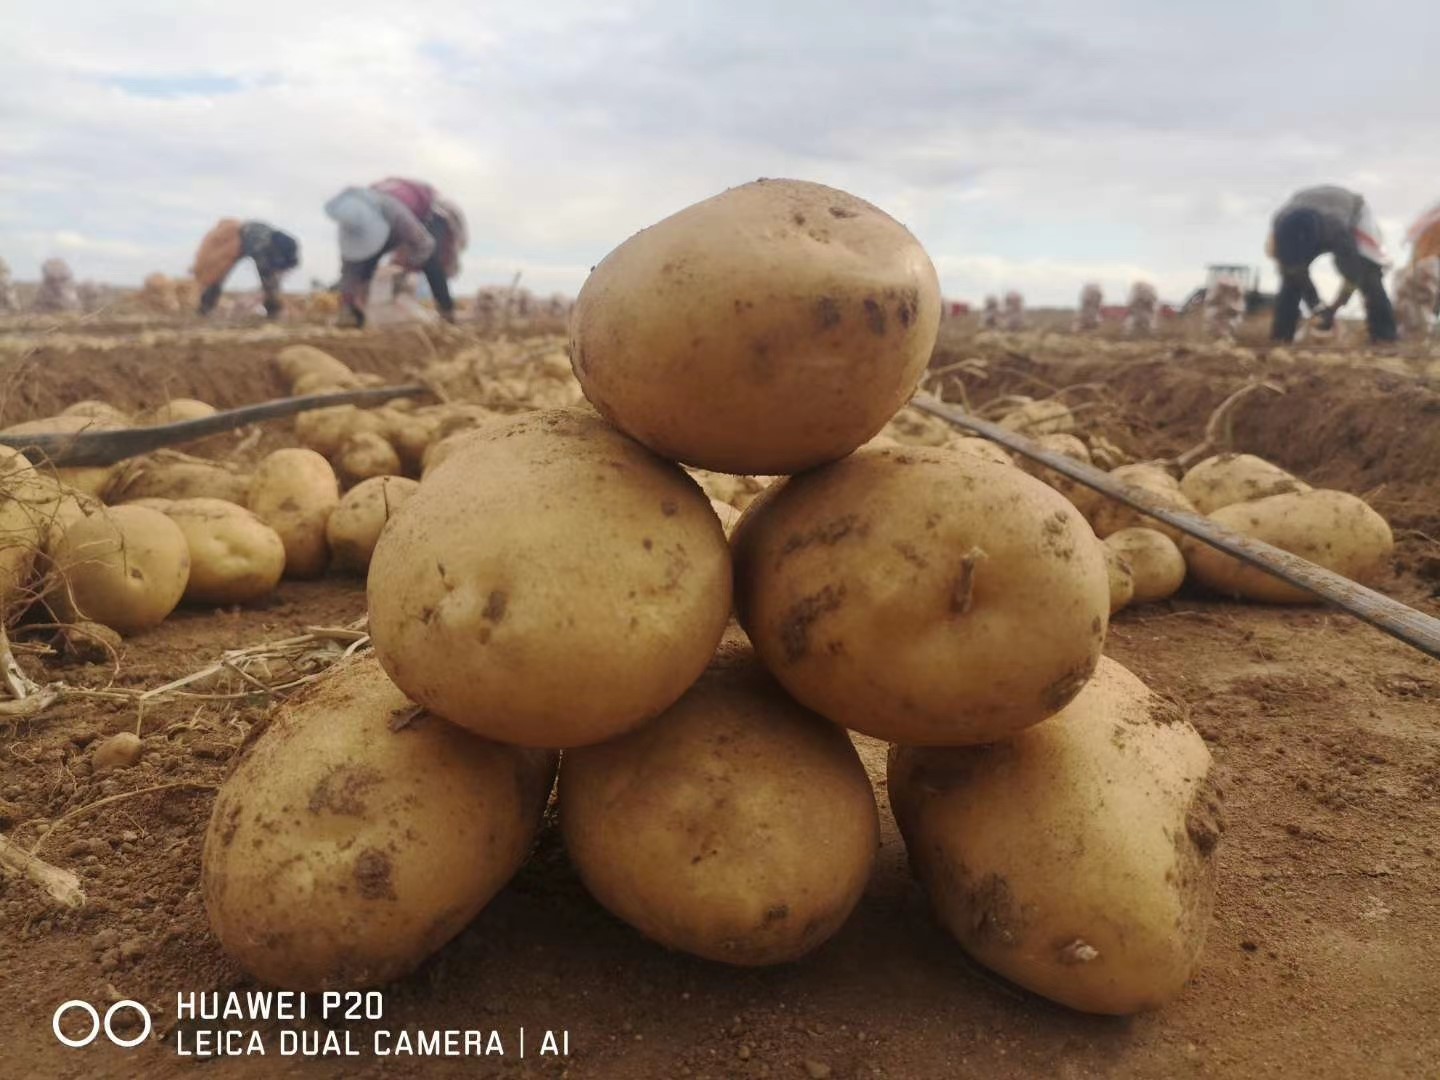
1322, 953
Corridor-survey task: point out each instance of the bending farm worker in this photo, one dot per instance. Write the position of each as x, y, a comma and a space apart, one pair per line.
409, 219
273, 252
1328, 220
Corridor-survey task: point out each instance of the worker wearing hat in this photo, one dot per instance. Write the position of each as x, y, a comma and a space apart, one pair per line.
272, 251
1329, 220
409, 219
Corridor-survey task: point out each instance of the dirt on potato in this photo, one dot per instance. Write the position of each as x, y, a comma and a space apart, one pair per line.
1322, 948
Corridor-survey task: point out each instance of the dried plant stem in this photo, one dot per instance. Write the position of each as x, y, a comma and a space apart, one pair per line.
62, 886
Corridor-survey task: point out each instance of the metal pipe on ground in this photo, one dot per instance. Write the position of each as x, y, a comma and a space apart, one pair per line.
67, 449
1400, 621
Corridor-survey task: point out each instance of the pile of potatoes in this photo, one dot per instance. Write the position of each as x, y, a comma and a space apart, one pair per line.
563, 580
125, 545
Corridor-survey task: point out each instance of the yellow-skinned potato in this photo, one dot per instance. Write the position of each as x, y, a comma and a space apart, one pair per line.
923, 595
914, 427
364, 456
1085, 499
768, 329
94, 416
165, 476
125, 567
1334, 529
355, 838
175, 411
553, 583
295, 361
1038, 418
1122, 579
294, 492
27, 505
1109, 516
410, 433
234, 556
737, 825
970, 444
326, 430
1157, 568
355, 526
441, 449
99, 410
1230, 478
320, 382
1076, 858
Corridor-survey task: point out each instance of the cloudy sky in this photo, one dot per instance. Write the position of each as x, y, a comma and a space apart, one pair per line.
1032, 146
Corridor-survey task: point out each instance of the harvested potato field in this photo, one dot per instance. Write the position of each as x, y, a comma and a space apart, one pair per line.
1324, 733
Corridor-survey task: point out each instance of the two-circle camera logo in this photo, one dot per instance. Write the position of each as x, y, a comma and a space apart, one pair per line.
97, 1025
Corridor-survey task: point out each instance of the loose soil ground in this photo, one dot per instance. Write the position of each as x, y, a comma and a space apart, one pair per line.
1324, 953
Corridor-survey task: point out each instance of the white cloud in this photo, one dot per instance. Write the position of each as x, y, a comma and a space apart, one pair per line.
1025, 150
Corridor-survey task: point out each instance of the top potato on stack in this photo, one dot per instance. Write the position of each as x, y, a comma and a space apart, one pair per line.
767, 330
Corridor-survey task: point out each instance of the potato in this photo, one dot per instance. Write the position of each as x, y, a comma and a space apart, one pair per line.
322, 382
355, 838
295, 361
1334, 529
95, 416
913, 427
925, 596
354, 527
326, 430
737, 825
768, 329
294, 492
441, 449
1109, 516
164, 476
1157, 568
1122, 578
727, 514
28, 503
234, 556
1085, 499
126, 567
552, 583
1075, 859
365, 456
175, 411
971, 444
99, 410
409, 433
1230, 478
1036, 418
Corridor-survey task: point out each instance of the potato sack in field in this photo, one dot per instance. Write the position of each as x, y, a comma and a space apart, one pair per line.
922, 595
1076, 858
552, 583
766, 330
737, 826
359, 834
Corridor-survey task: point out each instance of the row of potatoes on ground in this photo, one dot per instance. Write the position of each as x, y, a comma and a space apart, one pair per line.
1149, 560
121, 547
560, 593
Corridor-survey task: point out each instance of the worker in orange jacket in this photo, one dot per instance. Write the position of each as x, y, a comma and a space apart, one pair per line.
274, 252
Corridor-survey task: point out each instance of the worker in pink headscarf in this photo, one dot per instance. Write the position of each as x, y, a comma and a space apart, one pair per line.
407, 219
